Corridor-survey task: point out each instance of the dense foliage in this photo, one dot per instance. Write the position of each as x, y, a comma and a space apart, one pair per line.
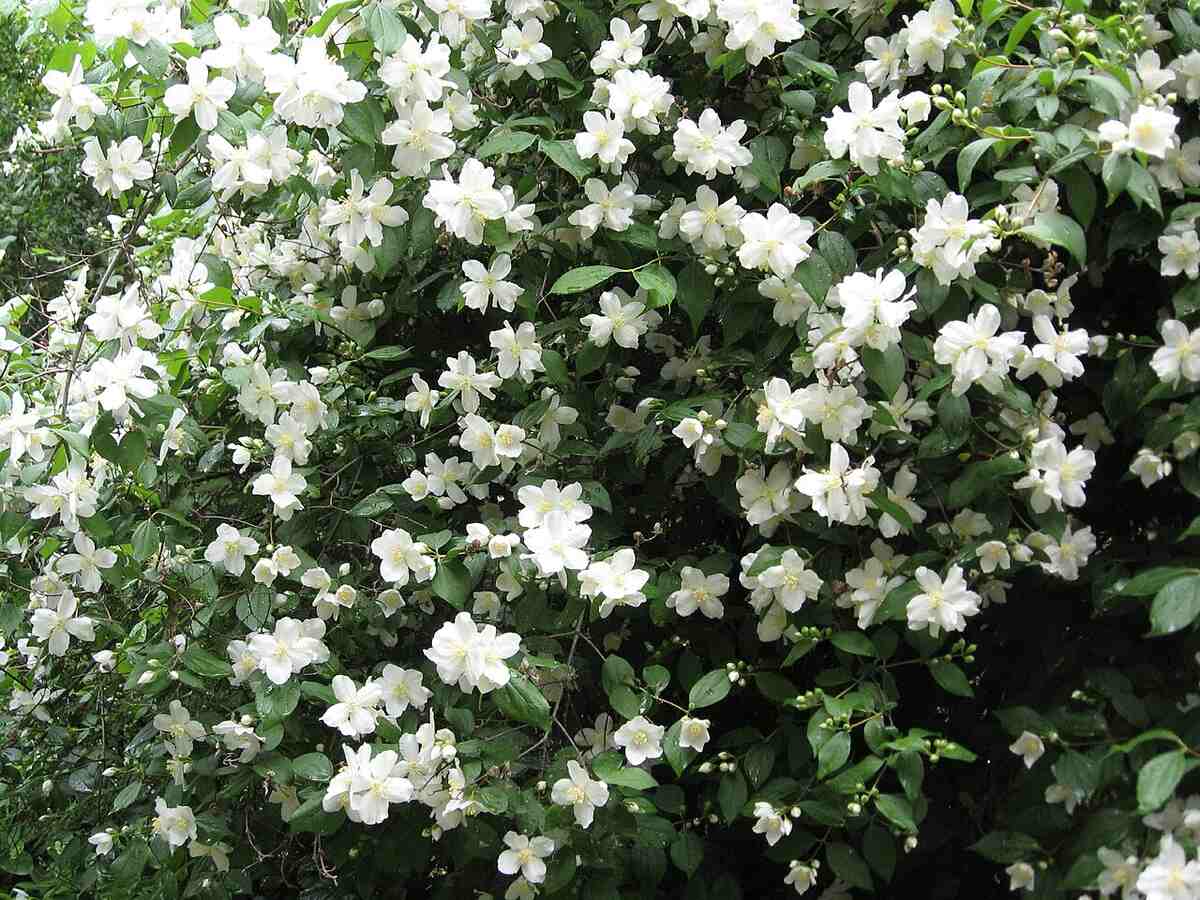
705, 449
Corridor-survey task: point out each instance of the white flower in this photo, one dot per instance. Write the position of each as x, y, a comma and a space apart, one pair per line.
1021, 876
401, 688
488, 285
616, 580
765, 496
773, 824
59, 624
283, 486
870, 586
622, 51
361, 216
1181, 254
641, 738
942, 604
420, 138
461, 375
230, 548
791, 580
473, 658
1057, 477
759, 26
1180, 355
518, 352
238, 737
1056, 358
465, 206
200, 96
114, 172
874, 305
609, 208
699, 591
1029, 747
620, 319
355, 712
102, 841
179, 726
778, 241
949, 241
1069, 553
292, 646
557, 543
1150, 467
706, 148
399, 555
1150, 130
839, 492
800, 877
525, 855
1120, 874
930, 34
974, 351
693, 733
537, 502
374, 784
868, 133
86, 562
604, 138
75, 100
421, 400
580, 792
521, 51
315, 91
174, 824
1170, 876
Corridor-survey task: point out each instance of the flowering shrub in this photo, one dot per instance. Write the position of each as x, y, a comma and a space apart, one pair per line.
703, 449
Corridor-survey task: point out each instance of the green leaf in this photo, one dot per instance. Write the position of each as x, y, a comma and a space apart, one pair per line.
1176, 605
1150, 581
980, 476
849, 866
885, 368
687, 852
677, 757
521, 700
200, 661
388, 354
731, 795
502, 141
758, 763
385, 27
1158, 779
815, 276
582, 278
313, 766
770, 155
453, 583
658, 282
969, 157
695, 293
1143, 188
853, 642
126, 796
951, 678
564, 155
833, 754
1006, 847
711, 688
152, 56
897, 810
590, 358
1020, 29
145, 541
363, 121
1056, 228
